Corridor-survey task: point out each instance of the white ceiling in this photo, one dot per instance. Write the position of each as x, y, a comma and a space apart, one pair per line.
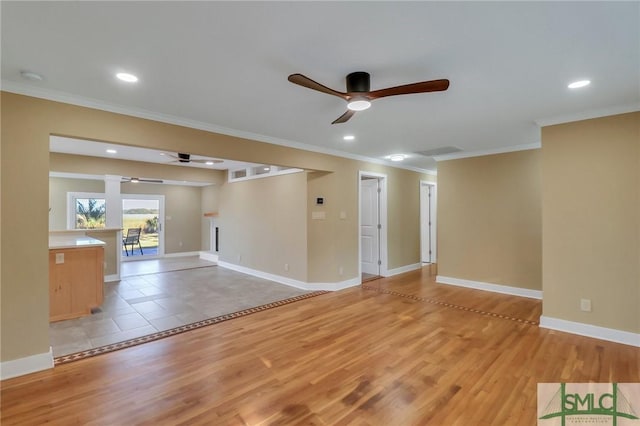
224, 65
123, 152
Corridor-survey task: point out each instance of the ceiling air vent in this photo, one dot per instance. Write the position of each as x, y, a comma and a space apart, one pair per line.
439, 151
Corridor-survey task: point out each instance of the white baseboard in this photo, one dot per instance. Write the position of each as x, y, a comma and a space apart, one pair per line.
111, 278
290, 281
496, 288
402, 269
183, 254
207, 255
26, 365
588, 330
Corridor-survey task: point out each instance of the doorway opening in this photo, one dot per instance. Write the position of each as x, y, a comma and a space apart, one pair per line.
427, 222
143, 214
372, 198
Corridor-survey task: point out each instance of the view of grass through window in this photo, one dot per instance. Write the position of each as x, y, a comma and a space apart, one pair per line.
142, 214
91, 213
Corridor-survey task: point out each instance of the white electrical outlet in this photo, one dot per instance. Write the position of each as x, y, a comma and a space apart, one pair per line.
59, 258
286, 266
340, 271
585, 305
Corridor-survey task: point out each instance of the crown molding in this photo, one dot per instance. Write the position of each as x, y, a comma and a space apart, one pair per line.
54, 95
587, 115
481, 153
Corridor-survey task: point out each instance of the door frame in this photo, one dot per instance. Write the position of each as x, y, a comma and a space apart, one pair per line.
431, 204
161, 234
382, 197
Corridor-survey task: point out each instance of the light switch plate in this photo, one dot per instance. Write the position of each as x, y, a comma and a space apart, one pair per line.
59, 258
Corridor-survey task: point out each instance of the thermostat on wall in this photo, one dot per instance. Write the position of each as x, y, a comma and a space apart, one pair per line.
320, 201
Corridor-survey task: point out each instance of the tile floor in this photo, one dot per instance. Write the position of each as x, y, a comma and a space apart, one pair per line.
141, 266
146, 303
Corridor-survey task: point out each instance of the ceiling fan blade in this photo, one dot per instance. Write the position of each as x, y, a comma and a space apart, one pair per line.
303, 81
144, 180
344, 117
422, 87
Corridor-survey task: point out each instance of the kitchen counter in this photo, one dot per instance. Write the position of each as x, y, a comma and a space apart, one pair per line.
76, 276
70, 241
82, 231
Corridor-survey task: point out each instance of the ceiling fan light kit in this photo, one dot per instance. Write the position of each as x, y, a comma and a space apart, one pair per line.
359, 94
358, 104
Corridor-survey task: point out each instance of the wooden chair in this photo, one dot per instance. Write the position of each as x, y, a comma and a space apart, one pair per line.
132, 238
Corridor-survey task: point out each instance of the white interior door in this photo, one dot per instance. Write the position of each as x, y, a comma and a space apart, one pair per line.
370, 226
427, 223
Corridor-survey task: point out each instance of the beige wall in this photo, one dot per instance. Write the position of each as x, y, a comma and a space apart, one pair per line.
334, 241
263, 224
58, 189
182, 210
489, 219
25, 230
182, 220
27, 124
591, 219
210, 196
182, 205
113, 244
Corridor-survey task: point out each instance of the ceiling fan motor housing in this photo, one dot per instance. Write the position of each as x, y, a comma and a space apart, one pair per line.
358, 82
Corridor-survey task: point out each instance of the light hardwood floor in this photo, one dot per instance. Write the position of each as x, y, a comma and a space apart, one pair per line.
400, 351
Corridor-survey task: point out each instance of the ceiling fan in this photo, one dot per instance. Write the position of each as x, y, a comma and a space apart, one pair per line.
186, 158
143, 180
359, 95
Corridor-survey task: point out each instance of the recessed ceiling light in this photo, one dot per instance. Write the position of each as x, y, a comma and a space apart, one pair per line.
112, 151
33, 76
129, 78
209, 163
348, 137
578, 84
266, 169
162, 153
397, 157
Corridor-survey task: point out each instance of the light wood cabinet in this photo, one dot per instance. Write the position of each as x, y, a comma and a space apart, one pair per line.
76, 281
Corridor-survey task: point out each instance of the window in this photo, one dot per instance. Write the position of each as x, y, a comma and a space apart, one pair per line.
86, 211
261, 171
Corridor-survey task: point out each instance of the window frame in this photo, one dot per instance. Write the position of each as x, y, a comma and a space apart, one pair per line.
72, 198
